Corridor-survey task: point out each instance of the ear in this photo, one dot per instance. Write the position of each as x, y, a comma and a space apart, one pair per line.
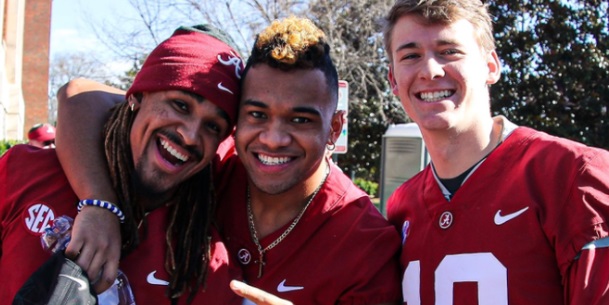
338, 119
134, 104
494, 67
392, 81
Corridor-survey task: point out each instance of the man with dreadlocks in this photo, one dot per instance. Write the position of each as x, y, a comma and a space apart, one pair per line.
298, 226
159, 147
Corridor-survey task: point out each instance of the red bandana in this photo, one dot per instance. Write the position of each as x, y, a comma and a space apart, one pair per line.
195, 62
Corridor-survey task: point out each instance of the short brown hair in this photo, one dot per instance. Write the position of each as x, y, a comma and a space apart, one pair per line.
443, 12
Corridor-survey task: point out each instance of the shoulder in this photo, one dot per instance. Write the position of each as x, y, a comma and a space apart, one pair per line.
25, 163
25, 153
340, 193
347, 206
543, 149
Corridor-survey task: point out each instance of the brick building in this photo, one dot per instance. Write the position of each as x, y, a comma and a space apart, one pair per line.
24, 65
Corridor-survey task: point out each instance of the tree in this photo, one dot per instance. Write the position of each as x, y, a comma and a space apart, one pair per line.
354, 32
67, 66
154, 21
131, 35
125, 80
554, 52
556, 59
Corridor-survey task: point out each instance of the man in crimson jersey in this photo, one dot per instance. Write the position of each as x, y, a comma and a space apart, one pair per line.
503, 214
298, 227
159, 147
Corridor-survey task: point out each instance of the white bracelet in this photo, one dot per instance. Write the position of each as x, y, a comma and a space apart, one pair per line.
103, 204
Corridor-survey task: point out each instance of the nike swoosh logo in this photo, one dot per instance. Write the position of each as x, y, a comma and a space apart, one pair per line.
154, 281
501, 219
283, 288
82, 285
221, 87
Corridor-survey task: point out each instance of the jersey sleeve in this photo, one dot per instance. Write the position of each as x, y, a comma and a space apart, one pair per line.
376, 263
583, 217
587, 281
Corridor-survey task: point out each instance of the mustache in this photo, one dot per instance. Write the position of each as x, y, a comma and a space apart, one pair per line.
193, 151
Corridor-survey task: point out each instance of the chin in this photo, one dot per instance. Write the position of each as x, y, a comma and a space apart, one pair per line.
273, 189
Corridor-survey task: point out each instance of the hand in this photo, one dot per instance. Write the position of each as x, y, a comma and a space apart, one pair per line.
256, 295
96, 245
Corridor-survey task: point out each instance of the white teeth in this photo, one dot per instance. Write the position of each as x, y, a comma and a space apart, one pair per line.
173, 152
435, 96
266, 160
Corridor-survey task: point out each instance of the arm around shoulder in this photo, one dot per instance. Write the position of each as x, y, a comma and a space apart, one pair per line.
84, 107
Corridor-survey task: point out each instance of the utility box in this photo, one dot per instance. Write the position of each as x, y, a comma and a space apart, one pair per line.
403, 156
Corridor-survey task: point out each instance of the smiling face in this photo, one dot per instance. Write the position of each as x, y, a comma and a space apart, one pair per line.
174, 135
441, 73
285, 121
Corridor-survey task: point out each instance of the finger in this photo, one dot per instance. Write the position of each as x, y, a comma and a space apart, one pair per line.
109, 272
84, 259
73, 249
256, 295
95, 267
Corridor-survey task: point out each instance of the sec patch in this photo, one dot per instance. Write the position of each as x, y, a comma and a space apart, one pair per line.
37, 217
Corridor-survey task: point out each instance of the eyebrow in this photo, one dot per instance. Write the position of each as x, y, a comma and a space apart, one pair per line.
255, 103
200, 99
197, 97
414, 45
301, 109
223, 114
308, 110
410, 45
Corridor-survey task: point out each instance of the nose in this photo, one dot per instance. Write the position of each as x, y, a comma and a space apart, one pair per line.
431, 69
190, 132
275, 135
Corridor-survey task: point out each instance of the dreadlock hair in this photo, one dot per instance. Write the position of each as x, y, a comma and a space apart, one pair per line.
294, 44
188, 238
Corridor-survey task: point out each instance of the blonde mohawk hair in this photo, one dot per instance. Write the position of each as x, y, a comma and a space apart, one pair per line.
289, 39
294, 44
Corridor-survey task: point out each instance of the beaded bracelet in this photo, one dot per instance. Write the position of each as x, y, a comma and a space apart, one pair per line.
103, 204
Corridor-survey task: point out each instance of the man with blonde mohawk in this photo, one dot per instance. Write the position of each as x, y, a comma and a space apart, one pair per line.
299, 228
297, 225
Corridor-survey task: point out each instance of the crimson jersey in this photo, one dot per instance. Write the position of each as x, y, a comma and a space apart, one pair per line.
342, 251
513, 229
34, 191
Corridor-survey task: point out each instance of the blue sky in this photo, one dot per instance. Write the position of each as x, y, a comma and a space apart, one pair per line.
71, 25
69, 31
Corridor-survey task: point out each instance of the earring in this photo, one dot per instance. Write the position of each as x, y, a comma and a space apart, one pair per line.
132, 100
331, 146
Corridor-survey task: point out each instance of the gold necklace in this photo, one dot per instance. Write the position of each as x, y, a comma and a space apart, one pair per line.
254, 233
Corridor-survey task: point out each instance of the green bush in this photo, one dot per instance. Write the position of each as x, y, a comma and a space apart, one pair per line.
369, 187
6, 144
